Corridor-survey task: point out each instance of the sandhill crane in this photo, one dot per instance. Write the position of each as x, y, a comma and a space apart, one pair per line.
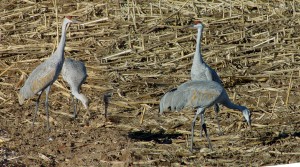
74, 73
44, 75
199, 95
200, 70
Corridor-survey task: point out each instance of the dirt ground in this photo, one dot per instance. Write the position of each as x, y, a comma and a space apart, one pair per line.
136, 51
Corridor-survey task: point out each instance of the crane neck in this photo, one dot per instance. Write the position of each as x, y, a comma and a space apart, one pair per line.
233, 106
61, 45
243, 109
198, 56
81, 97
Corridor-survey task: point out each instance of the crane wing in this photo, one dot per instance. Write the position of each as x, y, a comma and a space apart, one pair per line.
41, 78
41, 83
186, 85
202, 97
199, 93
192, 94
179, 100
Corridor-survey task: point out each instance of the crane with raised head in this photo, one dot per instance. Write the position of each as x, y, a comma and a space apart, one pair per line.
199, 95
74, 73
200, 70
44, 75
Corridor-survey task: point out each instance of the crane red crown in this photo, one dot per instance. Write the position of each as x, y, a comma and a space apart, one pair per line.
69, 17
197, 22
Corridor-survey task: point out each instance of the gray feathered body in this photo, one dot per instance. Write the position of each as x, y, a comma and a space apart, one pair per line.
199, 71
42, 76
193, 94
74, 73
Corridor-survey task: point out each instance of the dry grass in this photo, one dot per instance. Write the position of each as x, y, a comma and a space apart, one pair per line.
137, 50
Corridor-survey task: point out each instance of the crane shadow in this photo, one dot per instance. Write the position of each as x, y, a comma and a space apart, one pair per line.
280, 136
159, 137
296, 134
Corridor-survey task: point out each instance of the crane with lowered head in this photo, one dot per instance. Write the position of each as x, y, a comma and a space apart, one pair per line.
74, 73
199, 95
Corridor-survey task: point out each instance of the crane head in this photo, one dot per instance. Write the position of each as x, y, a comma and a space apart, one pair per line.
198, 24
69, 17
247, 116
68, 20
86, 102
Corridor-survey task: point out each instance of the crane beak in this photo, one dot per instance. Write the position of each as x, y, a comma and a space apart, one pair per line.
247, 116
68, 25
73, 22
191, 26
188, 26
249, 123
76, 22
87, 116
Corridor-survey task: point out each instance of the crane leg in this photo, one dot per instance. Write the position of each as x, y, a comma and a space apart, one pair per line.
192, 131
217, 109
106, 101
46, 105
203, 124
74, 101
105, 110
36, 108
75, 108
202, 120
199, 111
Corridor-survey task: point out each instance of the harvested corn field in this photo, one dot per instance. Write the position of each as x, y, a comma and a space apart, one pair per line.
135, 51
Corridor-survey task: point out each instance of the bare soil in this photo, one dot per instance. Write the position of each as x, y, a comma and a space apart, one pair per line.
136, 52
